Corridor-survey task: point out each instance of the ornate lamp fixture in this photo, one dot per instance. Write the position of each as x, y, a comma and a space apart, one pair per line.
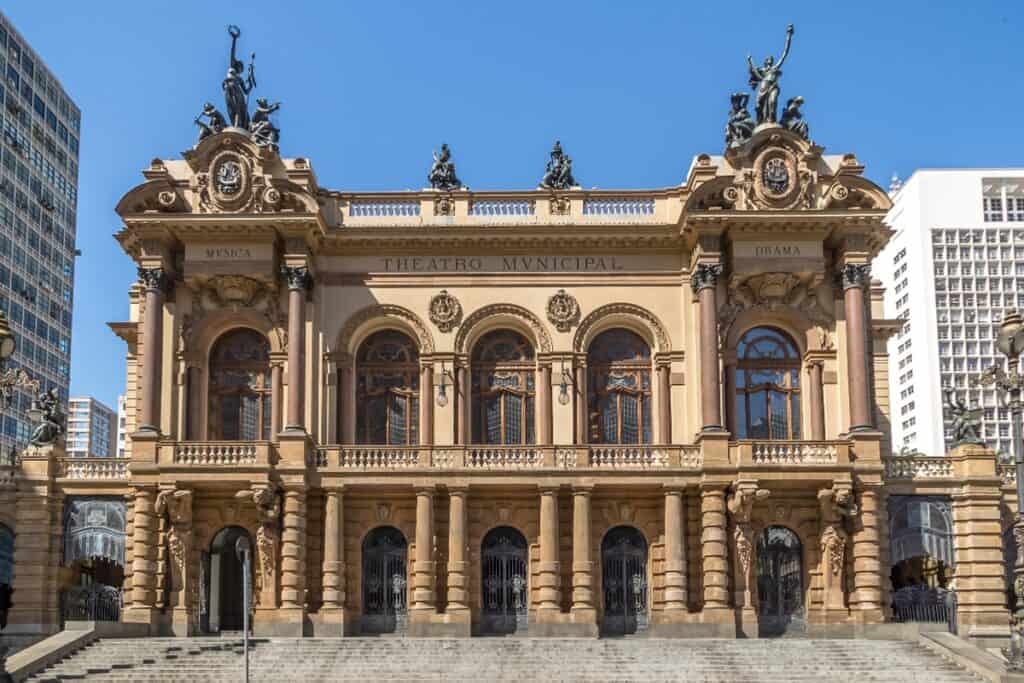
1010, 342
442, 388
563, 389
15, 377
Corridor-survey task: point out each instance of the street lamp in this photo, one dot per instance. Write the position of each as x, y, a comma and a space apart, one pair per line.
1010, 342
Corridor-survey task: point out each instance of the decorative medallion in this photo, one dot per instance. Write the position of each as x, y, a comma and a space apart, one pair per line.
776, 176
563, 311
445, 311
778, 182
229, 181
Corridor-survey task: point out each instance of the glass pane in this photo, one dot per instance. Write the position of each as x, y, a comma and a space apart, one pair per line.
795, 401
647, 418
376, 420
609, 419
414, 421
396, 422
250, 417
513, 419
230, 429
630, 419
492, 411
530, 437
741, 415
758, 418
267, 427
779, 421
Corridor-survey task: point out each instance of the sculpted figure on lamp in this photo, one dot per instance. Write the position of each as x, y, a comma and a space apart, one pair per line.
740, 126
558, 172
966, 421
765, 79
51, 425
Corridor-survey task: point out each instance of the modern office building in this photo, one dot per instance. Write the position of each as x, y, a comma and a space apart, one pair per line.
953, 267
38, 199
92, 429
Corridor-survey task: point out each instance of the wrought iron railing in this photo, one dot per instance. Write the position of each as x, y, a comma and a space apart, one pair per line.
921, 604
96, 602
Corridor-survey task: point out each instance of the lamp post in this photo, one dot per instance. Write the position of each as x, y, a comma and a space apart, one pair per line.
243, 550
1010, 342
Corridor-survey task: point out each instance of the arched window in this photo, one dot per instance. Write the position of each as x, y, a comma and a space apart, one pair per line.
387, 390
503, 389
240, 387
619, 388
767, 385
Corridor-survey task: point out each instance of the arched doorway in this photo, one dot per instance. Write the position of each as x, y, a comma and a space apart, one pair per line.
222, 582
921, 552
624, 579
503, 582
384, 581
94, 550
780, 582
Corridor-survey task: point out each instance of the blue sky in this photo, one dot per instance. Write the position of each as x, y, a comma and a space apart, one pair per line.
633, 90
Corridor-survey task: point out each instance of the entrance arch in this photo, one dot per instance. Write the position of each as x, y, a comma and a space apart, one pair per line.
624, 580
385, 553
222, 582
780, 581
503, 581
923, 564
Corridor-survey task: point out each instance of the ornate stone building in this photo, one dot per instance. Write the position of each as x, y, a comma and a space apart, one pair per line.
559, 412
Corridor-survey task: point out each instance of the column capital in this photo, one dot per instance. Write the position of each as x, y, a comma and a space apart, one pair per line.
582, 489
674, 490
297, 277
705, 275
854, 275
154, 279
458, 490
425, 489
548, 489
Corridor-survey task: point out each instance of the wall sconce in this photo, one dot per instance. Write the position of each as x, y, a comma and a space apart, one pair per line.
442, 388
563, 390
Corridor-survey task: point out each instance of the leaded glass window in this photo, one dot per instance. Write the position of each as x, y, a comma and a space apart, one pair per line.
767, 385
240, 387
503, 389
619, 388
387, 390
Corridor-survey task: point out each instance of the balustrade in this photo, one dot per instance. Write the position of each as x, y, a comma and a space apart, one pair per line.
501, 208
503, 457
377, 457
384, 208
918, 467
94, 468
618, 207
218, 453
794, 452
629, 457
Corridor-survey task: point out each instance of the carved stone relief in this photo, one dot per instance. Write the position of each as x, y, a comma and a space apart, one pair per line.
232, 293
774, 292
563, 310
445, 311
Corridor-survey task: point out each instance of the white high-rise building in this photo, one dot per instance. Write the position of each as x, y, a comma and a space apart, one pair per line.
953, 267
122, 427
91, 429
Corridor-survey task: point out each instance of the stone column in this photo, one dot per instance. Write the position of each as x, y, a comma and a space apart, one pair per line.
155, 282
543, 410
869, 576
675, 551
714, 550
458, 581
548, 580
664, 403
334, 550
816, 398
423, 568
582, 418
298, 282
144, 528
855, 278
582, 558
293, 562
427, 404
276, 394
705, 282
346, 404
463, 390
194, 410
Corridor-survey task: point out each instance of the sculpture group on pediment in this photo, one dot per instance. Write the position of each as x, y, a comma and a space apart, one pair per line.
772, 292
764, 79
442, 171
558, 171
238, 84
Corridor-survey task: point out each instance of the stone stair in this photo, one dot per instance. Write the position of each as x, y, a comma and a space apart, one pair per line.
276, 660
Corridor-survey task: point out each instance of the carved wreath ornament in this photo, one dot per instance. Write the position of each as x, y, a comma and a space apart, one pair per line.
445, 311
563, 310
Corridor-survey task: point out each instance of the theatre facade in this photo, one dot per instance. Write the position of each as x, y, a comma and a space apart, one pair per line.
558, 412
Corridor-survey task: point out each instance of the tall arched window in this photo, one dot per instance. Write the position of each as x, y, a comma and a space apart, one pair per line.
240, 387
503, 389
387, 390
619, 388
767, 385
